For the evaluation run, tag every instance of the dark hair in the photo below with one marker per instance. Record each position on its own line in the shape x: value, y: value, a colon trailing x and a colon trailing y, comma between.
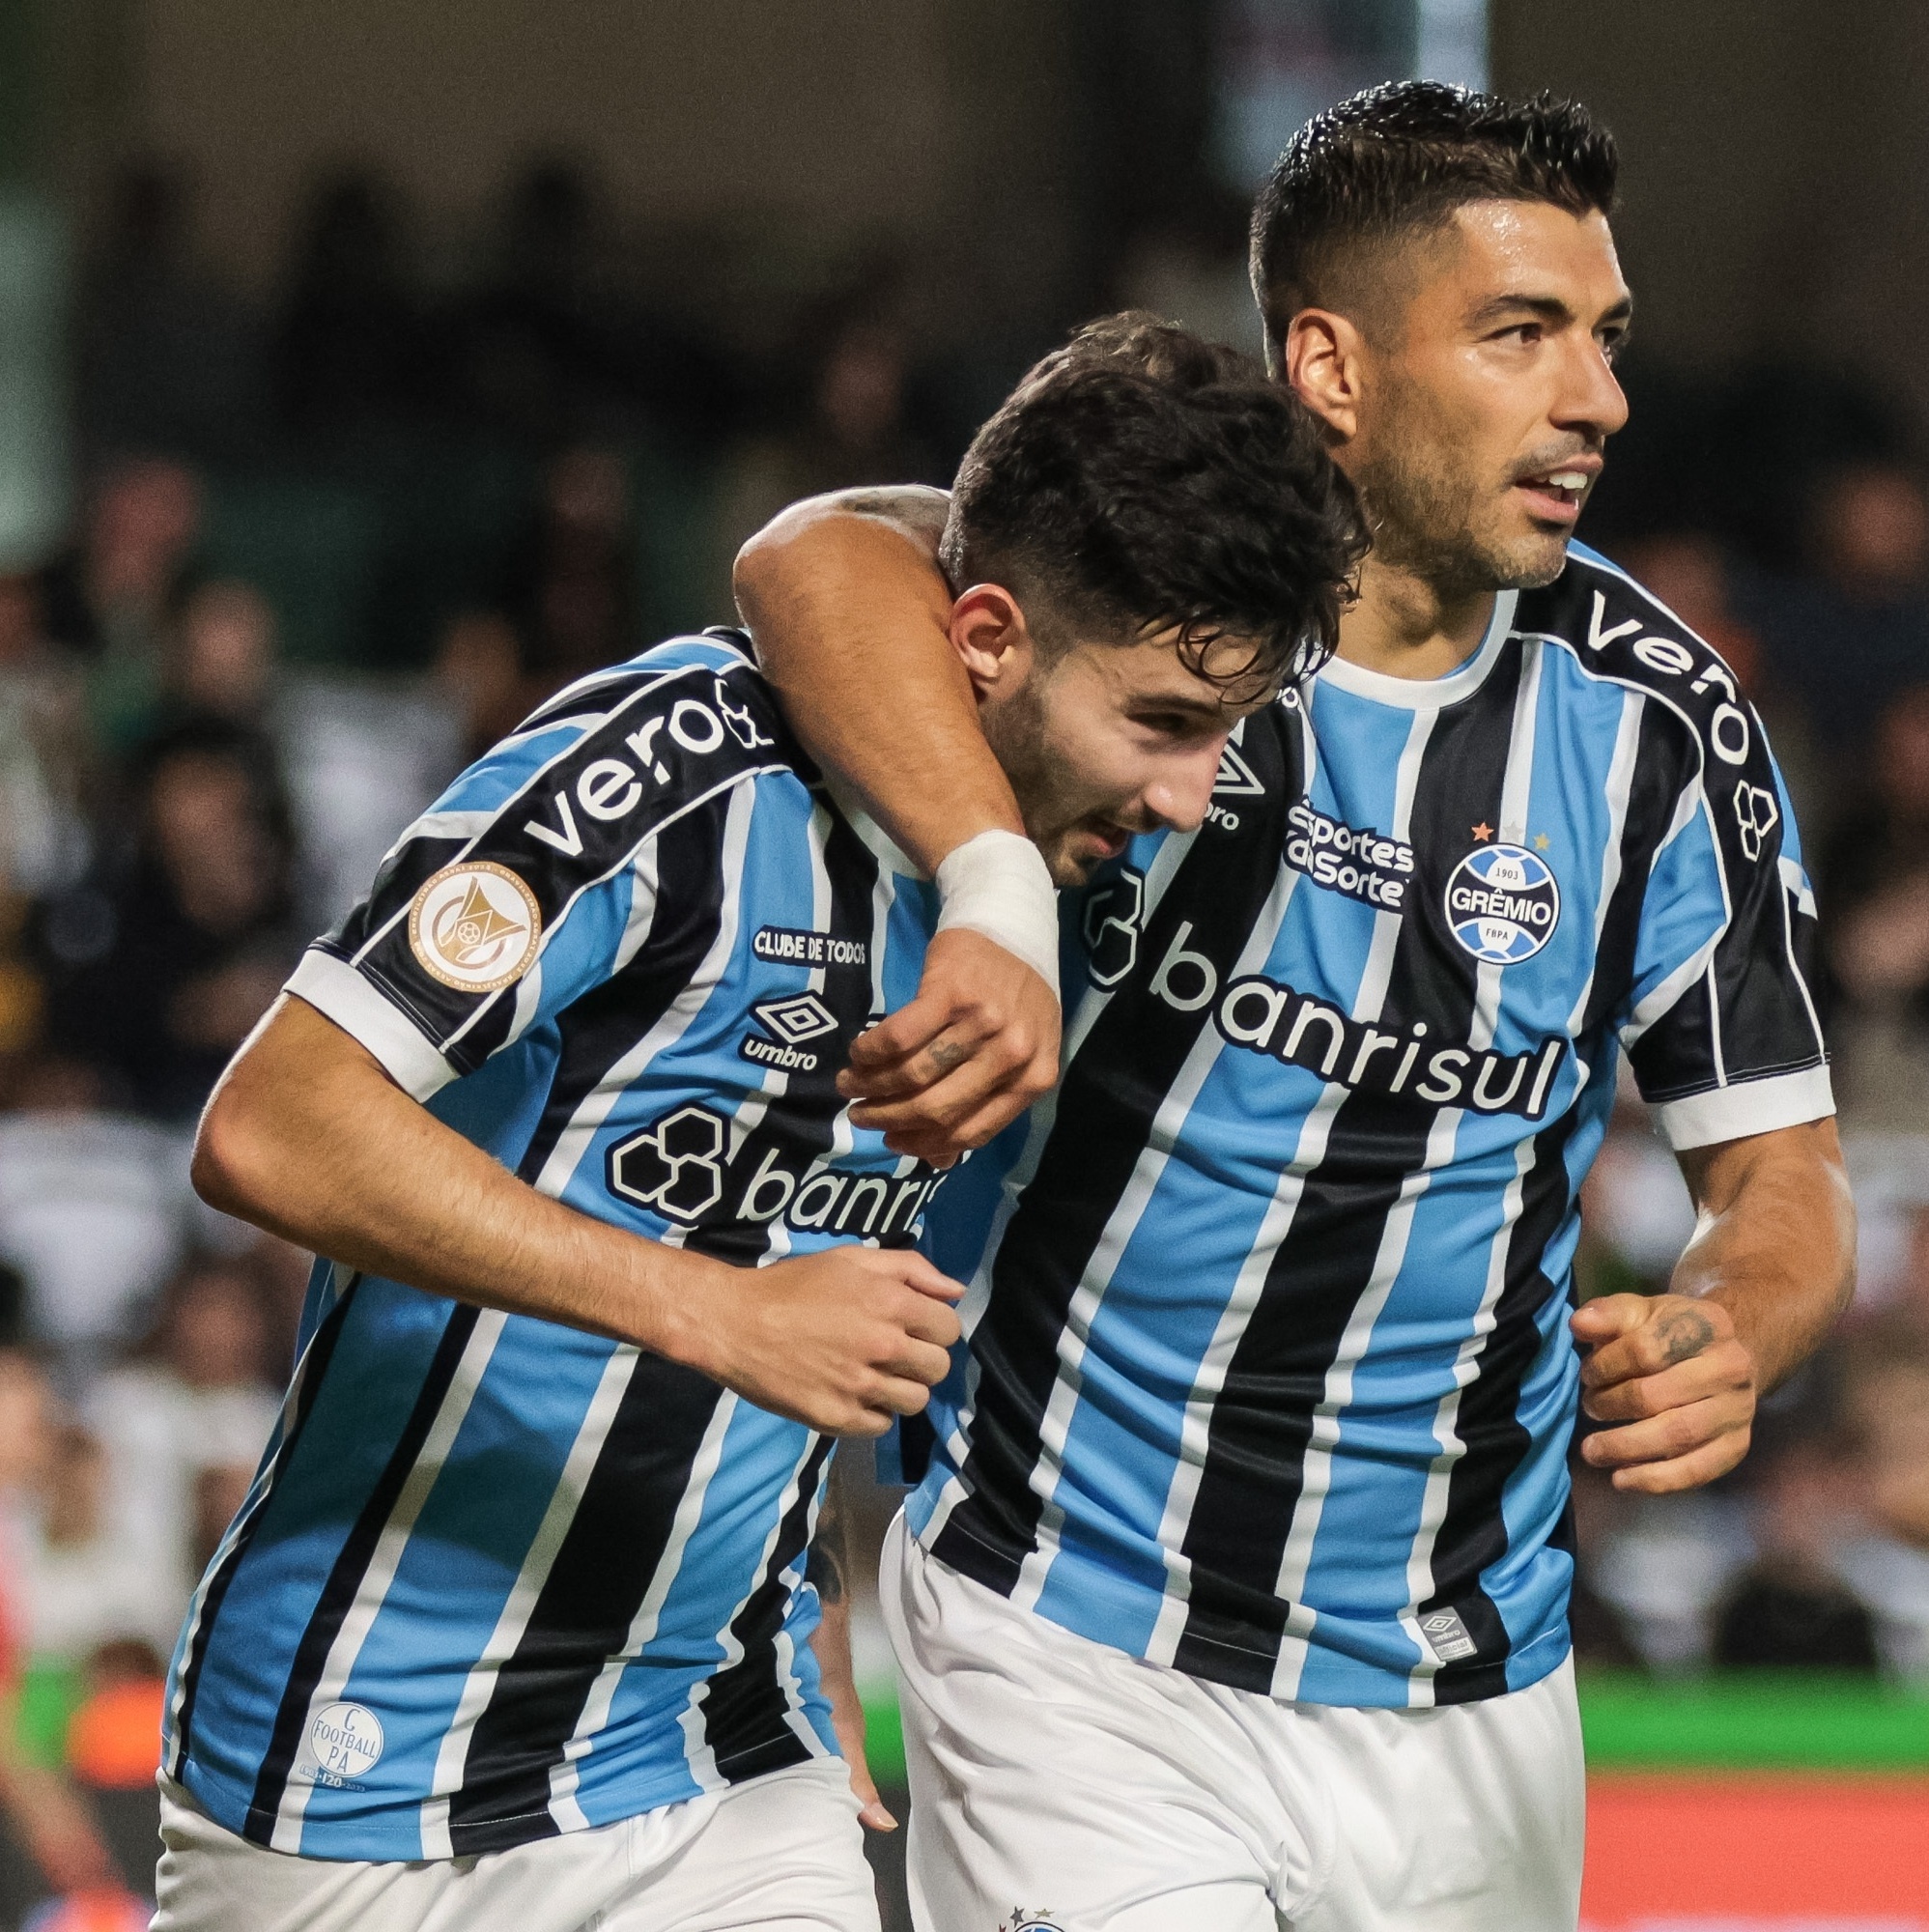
x: 1140, y: 479
x: 1403, y: 158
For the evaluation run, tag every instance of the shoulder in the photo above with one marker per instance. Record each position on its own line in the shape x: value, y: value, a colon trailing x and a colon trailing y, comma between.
x: 1607, y: 628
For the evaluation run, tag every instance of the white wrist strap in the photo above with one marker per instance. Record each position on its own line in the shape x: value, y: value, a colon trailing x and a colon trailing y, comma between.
x: 998, y: 884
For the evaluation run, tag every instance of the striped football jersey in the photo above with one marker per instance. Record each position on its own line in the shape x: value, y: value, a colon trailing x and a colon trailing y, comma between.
x: 497, y: 1578
x: 1268, y: 1374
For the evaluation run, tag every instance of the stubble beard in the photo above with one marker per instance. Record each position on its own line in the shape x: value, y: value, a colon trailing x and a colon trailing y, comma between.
x: 1049, y: 801
x: 1424, y: 514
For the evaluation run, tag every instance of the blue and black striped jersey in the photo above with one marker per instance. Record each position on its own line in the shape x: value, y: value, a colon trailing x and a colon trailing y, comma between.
x: 1268, y: 1372
x: 497, y: 1578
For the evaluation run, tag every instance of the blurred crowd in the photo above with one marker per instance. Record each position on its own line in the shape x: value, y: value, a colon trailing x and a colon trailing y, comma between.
x: 327, y: 545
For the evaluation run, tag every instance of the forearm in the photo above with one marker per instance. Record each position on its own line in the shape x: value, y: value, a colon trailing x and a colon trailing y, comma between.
x: 1775, y: 1243
x: 849, y: 610
x: 307, y: 1137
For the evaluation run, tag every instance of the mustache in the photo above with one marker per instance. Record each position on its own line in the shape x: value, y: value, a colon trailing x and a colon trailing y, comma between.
x: 1555, y: 455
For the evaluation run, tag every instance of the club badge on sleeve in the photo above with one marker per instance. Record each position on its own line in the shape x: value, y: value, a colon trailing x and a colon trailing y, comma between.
x: 474, y: 926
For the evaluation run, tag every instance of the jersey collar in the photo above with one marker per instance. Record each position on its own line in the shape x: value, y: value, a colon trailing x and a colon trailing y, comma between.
x: 1427, y: 693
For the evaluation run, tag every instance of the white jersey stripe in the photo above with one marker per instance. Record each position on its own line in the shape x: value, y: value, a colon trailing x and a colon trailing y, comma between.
x: 375, y: 1579
x: 452, y: 1756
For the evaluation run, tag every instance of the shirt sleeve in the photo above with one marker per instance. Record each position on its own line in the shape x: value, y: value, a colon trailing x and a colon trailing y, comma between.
x: 1720, y: 1026
x: 520, y: 890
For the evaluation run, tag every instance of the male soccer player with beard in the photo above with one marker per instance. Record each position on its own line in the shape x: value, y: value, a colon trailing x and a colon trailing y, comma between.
x: 513, y: 1629
x: 1235, y: 1592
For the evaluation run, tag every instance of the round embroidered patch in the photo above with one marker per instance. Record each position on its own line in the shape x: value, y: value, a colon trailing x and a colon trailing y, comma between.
x: 474, y: 926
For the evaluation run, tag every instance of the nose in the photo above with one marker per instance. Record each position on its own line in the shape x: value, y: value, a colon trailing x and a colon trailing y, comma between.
x: 1592, y: 402
x: 1182, y: 794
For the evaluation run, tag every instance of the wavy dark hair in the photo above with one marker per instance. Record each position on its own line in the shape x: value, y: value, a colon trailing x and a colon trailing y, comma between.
x: 1141, y: 479
x: 1396, y: 161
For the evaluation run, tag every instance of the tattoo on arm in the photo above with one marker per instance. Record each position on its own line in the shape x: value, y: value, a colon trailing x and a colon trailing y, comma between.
x: 828, y: 1567
x: 1684, y: 1334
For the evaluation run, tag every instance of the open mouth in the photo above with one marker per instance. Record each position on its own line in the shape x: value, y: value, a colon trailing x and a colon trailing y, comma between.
x: 1555, y: 496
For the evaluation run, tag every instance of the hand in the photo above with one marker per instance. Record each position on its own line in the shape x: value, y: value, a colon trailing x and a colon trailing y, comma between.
x: 841, y: 1341
x: 832, y: 1642
x: 1670, y: 1370
x: 976, y: 1046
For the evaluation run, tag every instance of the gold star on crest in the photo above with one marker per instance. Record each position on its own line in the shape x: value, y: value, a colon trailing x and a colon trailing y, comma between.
x: 1542, y: 842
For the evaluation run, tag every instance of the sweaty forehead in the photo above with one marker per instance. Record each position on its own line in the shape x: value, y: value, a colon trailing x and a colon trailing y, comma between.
x: 1491, y: 251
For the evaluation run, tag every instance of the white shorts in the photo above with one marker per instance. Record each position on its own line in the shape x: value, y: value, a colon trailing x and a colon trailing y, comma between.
x: 783, y: 1853
x: 1060, y: 1785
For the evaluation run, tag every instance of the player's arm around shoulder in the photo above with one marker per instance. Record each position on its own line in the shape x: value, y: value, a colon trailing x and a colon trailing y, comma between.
x: 849, y: 610
x: 1770, y: 1267
x: 308, y: 1136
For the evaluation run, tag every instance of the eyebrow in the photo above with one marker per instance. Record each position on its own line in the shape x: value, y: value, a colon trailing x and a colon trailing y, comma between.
x: 1548, y: 308
x: 1196, y: 707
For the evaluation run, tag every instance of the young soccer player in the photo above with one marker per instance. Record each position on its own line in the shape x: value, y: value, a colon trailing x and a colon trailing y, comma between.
x: 513, y: 1629
x: 1236, y: 1592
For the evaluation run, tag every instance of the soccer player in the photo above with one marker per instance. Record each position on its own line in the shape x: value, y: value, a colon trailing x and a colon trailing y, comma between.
x: 1235, y: 1592
x: 513, y: 1629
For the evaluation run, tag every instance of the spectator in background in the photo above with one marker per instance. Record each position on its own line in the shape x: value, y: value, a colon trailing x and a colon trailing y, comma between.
x: 45, y: 755
x: 109, y: 600
x: 96, y: 1209
x: 160, y: 963
x: 348, y: 351
x: 83, y: 1582
x: 1875, y: 889
x: 855, y: 427
x: 1689, y: 572
x: 43, y: 1814
x: 1846, y: 639
x: 183, y: 1423
x: 168, y: 357
x: 478, y: 675
x: 570, y: 588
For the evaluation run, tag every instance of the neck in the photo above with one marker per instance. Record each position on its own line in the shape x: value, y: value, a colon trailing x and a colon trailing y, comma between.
x: 1403, y: 626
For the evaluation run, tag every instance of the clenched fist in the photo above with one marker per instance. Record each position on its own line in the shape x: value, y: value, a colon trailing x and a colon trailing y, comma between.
x: 1672, y: 1373
x: 843, y: 1341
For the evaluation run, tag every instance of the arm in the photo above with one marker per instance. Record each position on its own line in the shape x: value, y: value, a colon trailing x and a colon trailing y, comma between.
x: 50, y: 1818
x: 849, y: 610
x: 1770, y: 1267
x: 828, y: 1572
x: 308, y: 1137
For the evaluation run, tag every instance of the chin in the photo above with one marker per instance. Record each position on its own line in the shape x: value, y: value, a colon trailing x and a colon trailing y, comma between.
x: 1531, y: 563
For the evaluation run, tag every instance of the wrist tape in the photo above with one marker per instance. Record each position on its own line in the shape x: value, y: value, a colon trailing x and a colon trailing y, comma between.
x: 998, y: 884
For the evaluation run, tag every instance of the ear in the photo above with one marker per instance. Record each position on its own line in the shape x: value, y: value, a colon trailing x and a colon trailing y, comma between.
x: 987, y: 631
x: 1325, y: 360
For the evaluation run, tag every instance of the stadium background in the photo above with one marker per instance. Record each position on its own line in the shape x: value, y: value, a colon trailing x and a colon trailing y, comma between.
x: 369, y: 368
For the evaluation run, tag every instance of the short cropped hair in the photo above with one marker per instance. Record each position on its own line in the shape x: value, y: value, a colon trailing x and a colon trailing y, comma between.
x: 1394, y: 162
x: 1140, y: 479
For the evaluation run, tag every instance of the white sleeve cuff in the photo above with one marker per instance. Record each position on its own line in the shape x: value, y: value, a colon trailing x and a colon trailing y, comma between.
x: 1748, y: 1107
x: 334, y: 988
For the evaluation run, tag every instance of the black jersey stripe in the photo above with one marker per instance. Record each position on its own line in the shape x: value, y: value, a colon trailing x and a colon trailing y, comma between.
x: 345, y: 1579
x: 798, y: 1124
x: 597, y: 1030
x: 1109, y: 1099
x: 619, y: 1536
x: 1260, y: 1431
x: 746, y: 1706
x: 1472, y: 1536
x: 1652, y: 792
x: 309, y: 1375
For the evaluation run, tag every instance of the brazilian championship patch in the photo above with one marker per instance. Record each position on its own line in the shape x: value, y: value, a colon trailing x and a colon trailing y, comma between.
x: 474, y: 926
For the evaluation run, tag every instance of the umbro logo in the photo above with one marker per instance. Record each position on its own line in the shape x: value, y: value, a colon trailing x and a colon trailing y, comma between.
x: 801, y: 1017
x: 1237, y: 778
x: 789, y: 1024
